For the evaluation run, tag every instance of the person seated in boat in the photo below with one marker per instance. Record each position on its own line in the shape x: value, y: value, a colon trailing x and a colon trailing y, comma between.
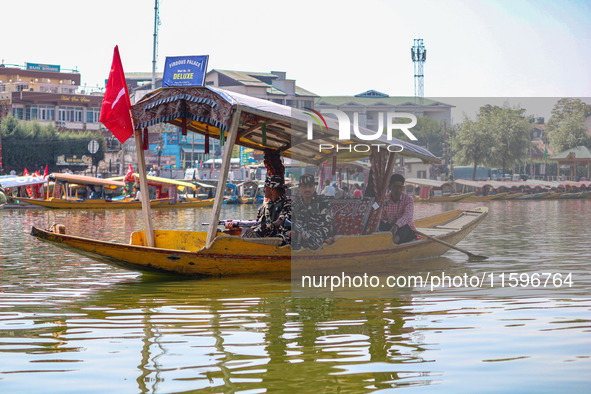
x: 398, y: 211
x: 328, y: 190
x: 312, y: 217
x: 274, y: 214
x: 357, y: 193
x: 137, y: 192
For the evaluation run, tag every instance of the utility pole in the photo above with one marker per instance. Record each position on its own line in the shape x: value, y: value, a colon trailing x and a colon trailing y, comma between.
x: 156, y: 23
x: 192, y: 150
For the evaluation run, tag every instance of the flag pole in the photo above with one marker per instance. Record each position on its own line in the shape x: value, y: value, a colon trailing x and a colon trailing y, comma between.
x: 144, y: 195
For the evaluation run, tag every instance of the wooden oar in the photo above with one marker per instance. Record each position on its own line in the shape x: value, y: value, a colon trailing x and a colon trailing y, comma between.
x: 471, y: 256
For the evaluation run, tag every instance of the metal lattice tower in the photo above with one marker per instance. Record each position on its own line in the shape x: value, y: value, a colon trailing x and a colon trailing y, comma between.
x: 419, y: 56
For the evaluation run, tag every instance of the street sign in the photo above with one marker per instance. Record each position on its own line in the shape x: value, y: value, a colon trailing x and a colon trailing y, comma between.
x: 93, y: 146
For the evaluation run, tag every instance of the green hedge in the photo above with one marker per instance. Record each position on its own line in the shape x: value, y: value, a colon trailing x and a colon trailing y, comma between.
x: 32, y: 145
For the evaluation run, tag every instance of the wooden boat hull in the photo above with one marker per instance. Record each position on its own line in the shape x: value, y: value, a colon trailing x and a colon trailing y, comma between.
x: 190, y: 203
x: 511, y: 196
x: 60, y: 203
x: 485, y: 198
x: 184, y: 252
x: 246, y: 200
x: 449, y: 198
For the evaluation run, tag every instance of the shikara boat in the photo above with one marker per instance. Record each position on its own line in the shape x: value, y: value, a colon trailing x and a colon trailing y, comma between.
x: 247, y: 192
x: 483, y: 190
x: 9, y: 183
x: 3, y: 198
x: 277, y: 130
x: 231, y: 193
x: 173, y: 187
x: 185, y: 252
x: 186, y: 203
x: 435, y: 191
x: 62, y: 203
x: 65, y: 194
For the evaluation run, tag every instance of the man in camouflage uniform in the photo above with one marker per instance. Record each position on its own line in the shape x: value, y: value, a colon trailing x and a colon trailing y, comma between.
x: 274, y: 215
x: 312, y: 222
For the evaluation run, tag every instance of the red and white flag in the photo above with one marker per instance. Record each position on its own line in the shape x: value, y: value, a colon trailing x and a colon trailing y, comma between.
x: 29, y: 188
x: 115, y: 111
x: 46, y: 172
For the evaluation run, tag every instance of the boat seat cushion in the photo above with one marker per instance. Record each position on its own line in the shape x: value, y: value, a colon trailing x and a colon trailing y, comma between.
x: 349, y: 215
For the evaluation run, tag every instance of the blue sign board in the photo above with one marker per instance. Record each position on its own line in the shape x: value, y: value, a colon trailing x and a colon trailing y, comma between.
x: 43, y: 67
x: 185, y: 71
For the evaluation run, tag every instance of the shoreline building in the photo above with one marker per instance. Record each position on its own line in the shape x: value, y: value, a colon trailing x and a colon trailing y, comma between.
x: 49, y: 95
x: 371, y: 103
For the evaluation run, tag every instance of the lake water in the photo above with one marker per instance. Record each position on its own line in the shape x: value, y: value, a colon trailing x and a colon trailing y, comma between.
x: 69, y: 324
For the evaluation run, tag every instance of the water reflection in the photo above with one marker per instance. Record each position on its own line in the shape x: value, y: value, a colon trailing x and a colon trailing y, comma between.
x: 65, y: 318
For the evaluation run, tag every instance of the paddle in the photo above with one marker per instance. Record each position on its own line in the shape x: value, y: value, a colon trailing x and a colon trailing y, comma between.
x: 471, y: 256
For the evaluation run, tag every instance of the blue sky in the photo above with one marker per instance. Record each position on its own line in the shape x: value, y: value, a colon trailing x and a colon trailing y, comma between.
x: 474, y: 48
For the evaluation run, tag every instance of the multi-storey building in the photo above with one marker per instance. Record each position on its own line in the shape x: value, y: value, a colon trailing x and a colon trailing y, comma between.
x: 49, y: 95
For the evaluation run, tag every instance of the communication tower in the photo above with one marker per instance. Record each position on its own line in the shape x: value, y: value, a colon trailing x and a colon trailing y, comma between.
x: 419, y: 56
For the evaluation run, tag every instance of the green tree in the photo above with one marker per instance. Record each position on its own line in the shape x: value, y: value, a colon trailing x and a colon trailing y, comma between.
x: 429, y: 134
x: 473, y: 143
x: 567, y: 127
x: 511, y: 132
x: 32, y: 145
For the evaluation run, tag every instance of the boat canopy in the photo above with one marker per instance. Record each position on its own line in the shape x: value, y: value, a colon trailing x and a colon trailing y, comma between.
x: 16, y: 181
x: 205, y: 185
x: 262, y: 124
x: 428, y: 182
x: 85, y: 180
x: 159, y: 181
x: 247, y: 183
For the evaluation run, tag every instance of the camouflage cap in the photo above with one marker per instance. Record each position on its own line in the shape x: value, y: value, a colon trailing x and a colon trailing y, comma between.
x: 307, y: 179
x: 274, y: 181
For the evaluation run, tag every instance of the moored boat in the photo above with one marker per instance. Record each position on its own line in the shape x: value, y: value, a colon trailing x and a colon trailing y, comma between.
x: 431, y: 190
x: 185, y: 252
x: 66, y: 194
x: 247, y: 192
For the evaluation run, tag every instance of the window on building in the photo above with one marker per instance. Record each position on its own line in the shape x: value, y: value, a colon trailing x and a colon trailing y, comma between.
x: 278, y: 101
x: 39, y: 112
x: 18, y: 113
x: 209, y: 83
x: 46, y: 112
x: 70, y: 114
x: 93, y: 115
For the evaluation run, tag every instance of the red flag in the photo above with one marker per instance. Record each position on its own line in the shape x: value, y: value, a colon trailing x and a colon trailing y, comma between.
x: 46, y: 172
x: 129, y: 177
x: 115, y: 111
x: 29, y: 188
x: 37, y: 187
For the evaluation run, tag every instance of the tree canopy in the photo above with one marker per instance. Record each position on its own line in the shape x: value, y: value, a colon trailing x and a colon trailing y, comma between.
x: 566, y: 127
x: 32, y: 145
